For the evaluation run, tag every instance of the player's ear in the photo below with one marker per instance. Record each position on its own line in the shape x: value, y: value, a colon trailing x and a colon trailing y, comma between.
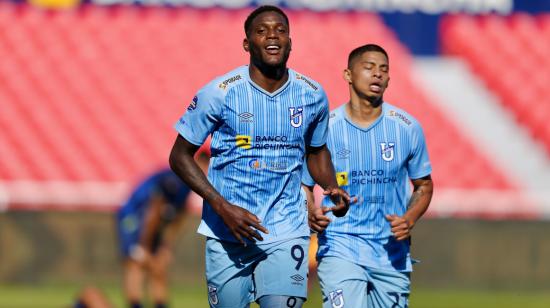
x: 246, y: 45
x: 347, y: 75
x: 289, y: 43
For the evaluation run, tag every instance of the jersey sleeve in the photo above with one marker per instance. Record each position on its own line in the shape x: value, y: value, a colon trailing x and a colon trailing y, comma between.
x: 306, y: 177
x: 202, y: 116
x: 419, y: 163
x: 319, y: 127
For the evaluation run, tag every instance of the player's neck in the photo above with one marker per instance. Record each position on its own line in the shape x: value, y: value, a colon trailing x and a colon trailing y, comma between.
x: 362, y: 112
x: 269, y: 78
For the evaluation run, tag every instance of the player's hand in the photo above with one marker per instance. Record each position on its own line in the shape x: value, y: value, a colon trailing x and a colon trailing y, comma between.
x: 318, y: 222
x: 241, y: 223
x: 340, y: 198
x: 140, y: 255
x: 400, y: 227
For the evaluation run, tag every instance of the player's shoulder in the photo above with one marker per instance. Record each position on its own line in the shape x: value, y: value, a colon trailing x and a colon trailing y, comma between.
x: 231, y: 79
x: 306, y: 82
x: 337, y: 115
x: 220, y: 85
x: 400, y: 116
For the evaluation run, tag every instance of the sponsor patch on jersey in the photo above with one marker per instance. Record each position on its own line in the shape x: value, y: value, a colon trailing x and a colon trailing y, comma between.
x: 243, y: 141
x: 398, y: 115
x: 278, y: 142
x: 223, y: 85
x: 306, y: 81
x: 342, y: 178
x: 258, y: 164
x: 193, y: 104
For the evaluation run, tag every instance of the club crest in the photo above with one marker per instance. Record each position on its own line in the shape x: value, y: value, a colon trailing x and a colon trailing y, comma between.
x: 213, y: 295
x: 387, y: 150
x: 296, y: 116
x: 337, y: 298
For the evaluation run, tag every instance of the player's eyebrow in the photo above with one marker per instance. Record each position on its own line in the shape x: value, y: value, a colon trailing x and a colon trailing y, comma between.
x: 374, y: 63
x: 270, y: 23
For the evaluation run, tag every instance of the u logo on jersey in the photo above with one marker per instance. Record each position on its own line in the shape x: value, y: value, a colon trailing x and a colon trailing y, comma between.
x: 337, y: 298
x: 296, y: 116
x: 213, y: 295
x: 387, y: 150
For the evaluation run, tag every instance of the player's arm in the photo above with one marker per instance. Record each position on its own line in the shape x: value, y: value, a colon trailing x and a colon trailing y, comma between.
x: 321, y: 170
x: 151, y: 224
x: 418, y: 204
x: 318, y: 222
x: 238, y: 220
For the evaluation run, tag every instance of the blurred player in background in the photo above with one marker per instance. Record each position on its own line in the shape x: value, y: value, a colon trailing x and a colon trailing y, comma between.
x: 147, y: 225
x: 364, y: 258
x: 264, y: 119
x: 92, y: 297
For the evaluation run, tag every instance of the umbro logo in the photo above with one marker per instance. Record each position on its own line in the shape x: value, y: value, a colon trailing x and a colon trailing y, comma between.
x: 246, y: 117
x: 343, y: 153
x: 297, y: 277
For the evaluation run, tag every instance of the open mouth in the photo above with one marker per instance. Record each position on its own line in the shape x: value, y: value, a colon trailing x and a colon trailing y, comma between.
x: 375, y: 87
x: 272, y: 49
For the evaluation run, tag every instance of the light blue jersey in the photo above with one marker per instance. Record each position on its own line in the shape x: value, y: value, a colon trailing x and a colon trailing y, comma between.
x: 374, y: 165
x: 258, y: 147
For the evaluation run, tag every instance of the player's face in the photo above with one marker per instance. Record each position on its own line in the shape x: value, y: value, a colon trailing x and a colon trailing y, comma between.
x: 268, y: 41
x: 369, y: 75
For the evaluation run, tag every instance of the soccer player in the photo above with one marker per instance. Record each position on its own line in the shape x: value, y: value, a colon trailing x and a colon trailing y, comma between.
x: 92, y: 297
x: 147, y: 224
x: 364, y: 258
x: 264, y: 119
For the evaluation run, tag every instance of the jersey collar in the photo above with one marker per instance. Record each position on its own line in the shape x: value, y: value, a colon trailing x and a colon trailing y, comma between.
x: 270, y: 94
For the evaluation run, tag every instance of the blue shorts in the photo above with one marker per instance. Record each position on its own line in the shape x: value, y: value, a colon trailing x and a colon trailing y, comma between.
x: 346, y: 284
x: 238, y: 275
x: 129, y: 227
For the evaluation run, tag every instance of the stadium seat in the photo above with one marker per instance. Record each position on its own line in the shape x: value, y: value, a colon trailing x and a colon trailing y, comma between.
x: 94, y: 91
x: 513, y: 62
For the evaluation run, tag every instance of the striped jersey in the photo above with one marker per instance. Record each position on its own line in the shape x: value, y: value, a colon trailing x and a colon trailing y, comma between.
x: 374, y: 165
x: 257, y: 148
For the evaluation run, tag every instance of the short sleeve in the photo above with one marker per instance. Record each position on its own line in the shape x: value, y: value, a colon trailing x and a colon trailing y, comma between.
x: 419, y: 163
x: 202, y: 116
x: 319, y: 126
x: 306, y: 177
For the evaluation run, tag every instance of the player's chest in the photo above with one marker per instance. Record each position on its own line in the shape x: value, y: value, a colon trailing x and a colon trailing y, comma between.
x: 364, y: 155
x: 285, y: 116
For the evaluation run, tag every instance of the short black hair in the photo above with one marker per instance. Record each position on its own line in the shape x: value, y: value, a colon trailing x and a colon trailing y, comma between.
x: 359, y: 51
x: 259, y: 10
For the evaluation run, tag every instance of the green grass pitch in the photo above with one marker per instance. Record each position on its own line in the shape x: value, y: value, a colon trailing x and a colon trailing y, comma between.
x: 59, y: 296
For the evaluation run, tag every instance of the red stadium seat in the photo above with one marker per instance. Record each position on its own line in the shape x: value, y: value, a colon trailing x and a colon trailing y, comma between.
x: 92, y: 93
x: 514, y: 62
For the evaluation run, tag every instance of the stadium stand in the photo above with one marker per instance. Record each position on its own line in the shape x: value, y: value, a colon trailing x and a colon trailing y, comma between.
x: 90, y: 95
x: 511, y: 55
